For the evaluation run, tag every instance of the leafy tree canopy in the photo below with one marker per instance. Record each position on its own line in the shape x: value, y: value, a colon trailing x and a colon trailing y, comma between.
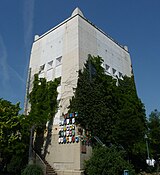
x: 109, y: 111
x: 154, y: 133
x: 131, y: 124
x: 12, y: 127
x: 107, y: 161
x: 15, y: 128
x: 110, y: 108
x: 14, y: 136
x: 94, y: 99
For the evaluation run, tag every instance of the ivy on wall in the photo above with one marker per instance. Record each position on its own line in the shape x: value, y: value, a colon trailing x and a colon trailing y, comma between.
x: 44, y: 105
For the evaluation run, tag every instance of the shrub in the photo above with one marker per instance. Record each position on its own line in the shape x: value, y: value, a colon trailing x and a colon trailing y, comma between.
x: 107, y: 161
x: 32, y: 170
x: 15, y: 165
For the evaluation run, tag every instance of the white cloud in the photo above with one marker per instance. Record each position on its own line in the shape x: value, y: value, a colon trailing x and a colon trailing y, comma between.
x: 3, y: 62
x: 16, y: 74
x: 28, y: 20
x: 28, y: 17
x: 5, y: 68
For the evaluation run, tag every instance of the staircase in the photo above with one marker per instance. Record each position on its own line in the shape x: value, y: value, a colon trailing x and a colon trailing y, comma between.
x: 49, y: 169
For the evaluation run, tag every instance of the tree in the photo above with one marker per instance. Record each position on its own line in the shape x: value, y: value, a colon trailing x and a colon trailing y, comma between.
x: 94, y: 99
x: 131, y: 124
x: 9, y: 124
x: 107, y: 161
x: 110, y: 108
x: 154, y: 135
x: 14, y: 134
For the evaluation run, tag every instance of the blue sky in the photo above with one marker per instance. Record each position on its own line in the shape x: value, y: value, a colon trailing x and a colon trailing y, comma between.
x: 135, y: 23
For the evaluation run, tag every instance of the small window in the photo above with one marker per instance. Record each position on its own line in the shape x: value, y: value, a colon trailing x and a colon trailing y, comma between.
x: 108, y: 69
x: 41, y: 69
x: 58, y: 61
x: 50, y: 65
x: 120, y: 75
x: 114, y: 71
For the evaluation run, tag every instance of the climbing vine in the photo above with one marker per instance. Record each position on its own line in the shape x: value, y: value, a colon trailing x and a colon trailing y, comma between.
x: 44, y: 104
x: 43, y: 100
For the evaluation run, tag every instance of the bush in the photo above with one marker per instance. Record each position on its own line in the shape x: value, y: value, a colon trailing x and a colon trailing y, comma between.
x: 15, y: 165
x: 32, y: 170
x: 107, y: 161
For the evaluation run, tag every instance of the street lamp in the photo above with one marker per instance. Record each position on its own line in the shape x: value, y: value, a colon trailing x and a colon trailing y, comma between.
x: 149, y: 161
x: 146, y: 137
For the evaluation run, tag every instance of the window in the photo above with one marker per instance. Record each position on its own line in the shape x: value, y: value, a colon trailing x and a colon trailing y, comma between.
x: 50, y: 64
x: 114, y: 71
x: 108, y: 69
x: 120, y: 75
x: 41, y: 69
x: 58, y: 61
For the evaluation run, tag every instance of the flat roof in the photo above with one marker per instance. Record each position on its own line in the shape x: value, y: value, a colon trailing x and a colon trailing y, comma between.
x: 68, y: 19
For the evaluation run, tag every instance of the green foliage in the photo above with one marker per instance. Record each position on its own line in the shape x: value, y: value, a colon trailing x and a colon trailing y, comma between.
x: 94, y: 103
x: 16, y: 164
x: 15, y: 128
x: 32, y: 170
x: 43, y: 100
x: 12, y: 128
x: 110, y: 109
x: 107, y: 161
x: 14, y: 135
x: 154, y: 134
x: 9, y: 124
x: 131, y: 124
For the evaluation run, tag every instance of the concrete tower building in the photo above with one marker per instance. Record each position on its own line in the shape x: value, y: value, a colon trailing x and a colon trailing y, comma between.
x: 61, y: 52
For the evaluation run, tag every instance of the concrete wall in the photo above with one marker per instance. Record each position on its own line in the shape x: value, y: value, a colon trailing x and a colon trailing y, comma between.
x: 95, y: 42
x: 66, y: 158
x: 70, y: 62
x: 61, y: 42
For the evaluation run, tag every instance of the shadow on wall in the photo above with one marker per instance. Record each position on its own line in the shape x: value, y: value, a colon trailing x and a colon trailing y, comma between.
x: 43, y: 139
x: 48, y: 138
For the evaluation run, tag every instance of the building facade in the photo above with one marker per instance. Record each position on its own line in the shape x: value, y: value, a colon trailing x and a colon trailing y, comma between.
x: 61, y: 52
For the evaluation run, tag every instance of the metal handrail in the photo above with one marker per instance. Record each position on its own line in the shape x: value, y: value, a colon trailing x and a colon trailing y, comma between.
x: 40, y: 162
x: 99, y: 141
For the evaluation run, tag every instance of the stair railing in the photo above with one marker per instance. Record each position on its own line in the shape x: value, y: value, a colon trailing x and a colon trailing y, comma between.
x: 99, y: 141
x: 40, y: 162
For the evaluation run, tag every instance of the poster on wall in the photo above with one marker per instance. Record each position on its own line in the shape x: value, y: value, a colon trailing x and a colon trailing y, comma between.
x: 70, y: 133
x: 67, y: 129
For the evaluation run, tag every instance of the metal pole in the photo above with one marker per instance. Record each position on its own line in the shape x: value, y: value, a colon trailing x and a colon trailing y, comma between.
x: 147, y: 149
x: 147, y: 146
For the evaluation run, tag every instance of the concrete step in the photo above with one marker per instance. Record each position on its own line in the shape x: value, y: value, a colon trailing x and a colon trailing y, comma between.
x: 49, y: 169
